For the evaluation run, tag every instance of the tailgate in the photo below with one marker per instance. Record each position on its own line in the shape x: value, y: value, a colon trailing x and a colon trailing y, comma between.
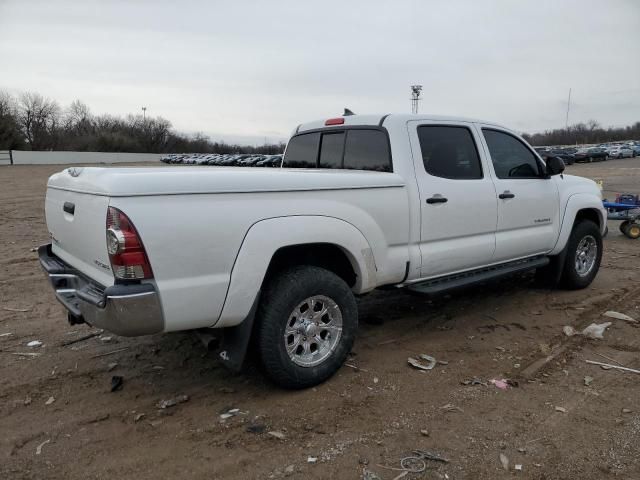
x: 77, y: 226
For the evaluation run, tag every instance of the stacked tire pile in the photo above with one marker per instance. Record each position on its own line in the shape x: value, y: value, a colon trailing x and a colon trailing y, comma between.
x: 225, y: 160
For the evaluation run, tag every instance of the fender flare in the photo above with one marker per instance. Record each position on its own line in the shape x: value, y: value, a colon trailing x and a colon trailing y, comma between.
x: 575, y: 203
x: 266, y: 237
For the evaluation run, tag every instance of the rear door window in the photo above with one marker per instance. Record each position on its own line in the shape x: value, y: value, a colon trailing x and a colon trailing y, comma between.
x: 302, y: 151
x: 449, y: 152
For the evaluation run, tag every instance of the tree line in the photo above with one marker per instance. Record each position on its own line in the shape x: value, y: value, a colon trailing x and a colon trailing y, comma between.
x: 590, y: 132
x: 33, y: 122
x: 30, y: 121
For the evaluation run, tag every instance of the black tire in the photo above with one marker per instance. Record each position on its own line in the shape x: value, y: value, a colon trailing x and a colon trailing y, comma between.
x: 280, y: 298
x: 571, y: 278
x: 632, y: 230
x: 623, y: 226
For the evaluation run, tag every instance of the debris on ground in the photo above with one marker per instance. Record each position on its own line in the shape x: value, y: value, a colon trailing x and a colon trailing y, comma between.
x: 276, y: 434
x: 117, y: 382
x: 5, y: 334
x: 50, y: 400
x: 229, y: 413
x: 587, y: 380
x: 607, y: 366
x: 106, y: 339
x: 475, y: 381
x: 595, y: 330
x: 518, y: 467
x: 451, y: 408
x: 312, y: 459
x: 27, y: 400
x: 504, y: 460
x: 290, y: 469
x: 17, y: 310
x: 256, y: 428
x: 561, y: 409
x: 138, y: 417
x: 81, y: 339
x: 355, y: 367
x: 112, y: 366
x: 39, y: 447
x: 110, y: 353
x: 26, y: 354
x: 424, y: 432
x: 627, y: 410
x: 34, y: 343
x: 619, y: 316
x: 431, y: 362
x: 172, y: 402
x: 502, y: 384
x: 369, y: 475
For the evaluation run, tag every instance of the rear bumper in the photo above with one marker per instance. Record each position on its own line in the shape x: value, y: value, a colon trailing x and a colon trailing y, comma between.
x: 129, y: 310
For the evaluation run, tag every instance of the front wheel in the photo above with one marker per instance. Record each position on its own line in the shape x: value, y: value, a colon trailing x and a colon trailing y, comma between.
x: 584, y: 253
x: 307, y: 322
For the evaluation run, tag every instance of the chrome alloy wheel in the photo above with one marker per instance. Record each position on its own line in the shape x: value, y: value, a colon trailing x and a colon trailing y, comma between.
x: 313, y: 331
x: 586, y: 255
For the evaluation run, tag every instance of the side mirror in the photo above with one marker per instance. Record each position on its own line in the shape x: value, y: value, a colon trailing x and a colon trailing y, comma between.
x: 555, y: 166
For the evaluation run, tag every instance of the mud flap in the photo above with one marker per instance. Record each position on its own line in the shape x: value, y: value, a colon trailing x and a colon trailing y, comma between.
x: 235, y: 340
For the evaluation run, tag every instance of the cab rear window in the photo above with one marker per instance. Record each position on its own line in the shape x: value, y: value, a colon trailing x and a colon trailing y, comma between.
x: 350, y: 148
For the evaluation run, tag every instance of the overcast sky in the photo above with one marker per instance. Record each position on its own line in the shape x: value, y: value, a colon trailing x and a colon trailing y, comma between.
x: 249, y: 70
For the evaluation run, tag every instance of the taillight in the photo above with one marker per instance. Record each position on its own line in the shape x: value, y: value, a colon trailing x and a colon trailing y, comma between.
x: 127, y: 255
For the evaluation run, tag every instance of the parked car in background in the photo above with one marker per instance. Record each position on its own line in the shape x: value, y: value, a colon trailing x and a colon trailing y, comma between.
x: 636, y: 149
x: 593, y: 154
x: 567, y: 157
x: 621, y: 151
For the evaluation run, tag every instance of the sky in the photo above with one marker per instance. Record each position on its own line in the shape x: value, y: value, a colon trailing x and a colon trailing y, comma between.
x: 252, y: 70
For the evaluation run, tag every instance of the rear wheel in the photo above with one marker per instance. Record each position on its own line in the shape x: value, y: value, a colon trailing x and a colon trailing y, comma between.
x: 584, y: 253
x: 307, y: 322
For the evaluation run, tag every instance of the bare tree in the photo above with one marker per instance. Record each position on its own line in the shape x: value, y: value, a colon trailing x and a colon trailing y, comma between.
x: 38, y: 118
x: 10, y: 135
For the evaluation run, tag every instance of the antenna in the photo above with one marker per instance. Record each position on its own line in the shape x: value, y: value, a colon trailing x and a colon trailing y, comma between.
x: 415, y: 97
x: 566, y: 122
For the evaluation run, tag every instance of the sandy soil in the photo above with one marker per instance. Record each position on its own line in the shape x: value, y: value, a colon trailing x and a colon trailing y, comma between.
x: 362, y: 418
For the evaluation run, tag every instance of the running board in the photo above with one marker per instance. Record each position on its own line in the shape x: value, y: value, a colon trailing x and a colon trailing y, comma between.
x: 459, y: 280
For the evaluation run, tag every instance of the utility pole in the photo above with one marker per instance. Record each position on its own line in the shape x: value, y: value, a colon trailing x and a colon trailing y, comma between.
x: 415, y: 97
x: 566, y: 122
x: 144, y: 114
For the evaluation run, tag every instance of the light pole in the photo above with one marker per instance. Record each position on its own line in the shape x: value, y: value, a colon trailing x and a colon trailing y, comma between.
x: 415, y: 97
x: 144, y: 114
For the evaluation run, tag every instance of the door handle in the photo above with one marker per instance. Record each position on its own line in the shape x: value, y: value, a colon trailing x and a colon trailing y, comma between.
x: 437, y: 200
x: 506, y: 194
x: 69, y: 208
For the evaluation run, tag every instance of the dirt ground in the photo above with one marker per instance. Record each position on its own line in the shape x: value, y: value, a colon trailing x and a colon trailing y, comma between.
x: 59, y: 419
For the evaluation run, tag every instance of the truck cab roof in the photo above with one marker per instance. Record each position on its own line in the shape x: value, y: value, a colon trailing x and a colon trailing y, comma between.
x: 384, y: 120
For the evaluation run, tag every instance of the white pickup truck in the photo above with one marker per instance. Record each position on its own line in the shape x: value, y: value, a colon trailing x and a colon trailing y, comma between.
x: 279, y: 255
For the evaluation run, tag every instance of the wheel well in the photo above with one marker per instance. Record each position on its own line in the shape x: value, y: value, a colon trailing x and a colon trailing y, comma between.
x: 324, y: 255
x: 588, y: 214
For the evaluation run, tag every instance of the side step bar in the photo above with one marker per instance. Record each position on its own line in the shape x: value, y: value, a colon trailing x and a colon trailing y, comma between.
x: 459, y: 280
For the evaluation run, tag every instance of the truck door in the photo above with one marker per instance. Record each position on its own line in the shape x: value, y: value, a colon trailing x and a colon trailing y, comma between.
x: 457, y: 196
x: 528, y: 201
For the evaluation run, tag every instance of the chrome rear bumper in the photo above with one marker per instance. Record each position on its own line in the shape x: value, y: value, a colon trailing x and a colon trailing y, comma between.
x: 129, y: 310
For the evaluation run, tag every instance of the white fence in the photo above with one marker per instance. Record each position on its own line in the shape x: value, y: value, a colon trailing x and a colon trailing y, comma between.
x: 59, y: 158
